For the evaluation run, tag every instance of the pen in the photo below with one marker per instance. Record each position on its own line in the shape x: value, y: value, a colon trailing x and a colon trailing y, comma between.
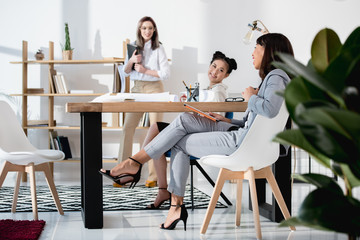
x: 190, y: 90
x: 186, y: 86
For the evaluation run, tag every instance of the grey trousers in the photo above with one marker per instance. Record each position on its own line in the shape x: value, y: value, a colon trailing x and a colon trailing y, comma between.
x: 190, y: 134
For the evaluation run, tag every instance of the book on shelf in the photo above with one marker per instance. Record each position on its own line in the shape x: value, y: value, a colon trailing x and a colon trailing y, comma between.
x: 35, y: 90
x: 52, y: 73
x: 56, y: 144
x: 60, y: 143
x: 58, y: 82
x: 64, y: 146
x: 144, y: 121
x: 119, y: 79
x: 63, y: 83
x: 58, y: 86
x: 52, y: 136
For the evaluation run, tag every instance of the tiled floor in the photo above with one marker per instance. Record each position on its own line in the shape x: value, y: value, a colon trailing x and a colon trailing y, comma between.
x: 145, y: 224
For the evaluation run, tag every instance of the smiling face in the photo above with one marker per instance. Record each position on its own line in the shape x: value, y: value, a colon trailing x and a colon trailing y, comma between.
x: 258, y: 56
x: 217, y: 71
x: 147, y: 30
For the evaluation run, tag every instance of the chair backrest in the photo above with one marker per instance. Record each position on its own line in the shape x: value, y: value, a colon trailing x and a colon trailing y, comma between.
x: 12, y: 136
x: 257, y: 149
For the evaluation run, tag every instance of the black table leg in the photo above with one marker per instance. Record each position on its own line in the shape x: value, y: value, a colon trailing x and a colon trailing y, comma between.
x: 91, y: 162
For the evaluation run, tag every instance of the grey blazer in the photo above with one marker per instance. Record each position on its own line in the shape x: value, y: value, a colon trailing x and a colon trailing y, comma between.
x: 266, y: 103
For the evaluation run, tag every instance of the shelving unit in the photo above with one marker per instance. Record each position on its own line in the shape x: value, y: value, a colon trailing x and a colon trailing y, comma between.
x: 51, y: 62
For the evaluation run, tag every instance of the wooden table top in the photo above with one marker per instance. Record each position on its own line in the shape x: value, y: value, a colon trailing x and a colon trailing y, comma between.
x: 127, y: 106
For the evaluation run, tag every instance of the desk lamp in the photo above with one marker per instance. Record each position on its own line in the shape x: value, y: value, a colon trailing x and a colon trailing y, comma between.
x: 253, y: 27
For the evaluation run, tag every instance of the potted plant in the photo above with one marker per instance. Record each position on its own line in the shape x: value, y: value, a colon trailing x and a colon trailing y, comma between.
x: 67, y: 51
x: 323, y: 100
x: 39, y: 55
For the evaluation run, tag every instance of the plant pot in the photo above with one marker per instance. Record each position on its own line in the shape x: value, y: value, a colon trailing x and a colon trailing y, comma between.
x: 67, y: 54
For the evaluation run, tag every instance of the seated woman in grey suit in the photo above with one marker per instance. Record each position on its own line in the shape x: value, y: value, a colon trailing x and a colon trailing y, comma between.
x: 190, y: 134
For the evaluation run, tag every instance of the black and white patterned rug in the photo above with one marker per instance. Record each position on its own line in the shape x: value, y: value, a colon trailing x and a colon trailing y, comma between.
x: 114, y: 198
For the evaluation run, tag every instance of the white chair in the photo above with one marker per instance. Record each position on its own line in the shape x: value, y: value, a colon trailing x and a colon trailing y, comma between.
x: 252, y: 160
x: 21, y: 156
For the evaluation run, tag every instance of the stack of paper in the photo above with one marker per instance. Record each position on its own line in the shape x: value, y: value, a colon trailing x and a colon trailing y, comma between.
x: 138, y: 97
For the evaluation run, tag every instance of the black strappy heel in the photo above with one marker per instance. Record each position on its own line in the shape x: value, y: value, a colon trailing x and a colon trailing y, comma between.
x: 183, y: 217
x: 152, y: 206
x: 134, y: 177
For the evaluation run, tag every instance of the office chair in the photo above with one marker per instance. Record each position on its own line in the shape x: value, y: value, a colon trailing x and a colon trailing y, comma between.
x: 21, y: 156
x: 252, y: 160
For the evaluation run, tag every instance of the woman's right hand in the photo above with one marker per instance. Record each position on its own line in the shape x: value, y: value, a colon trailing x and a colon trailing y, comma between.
x: 219, y: 117
x: 135, y: 58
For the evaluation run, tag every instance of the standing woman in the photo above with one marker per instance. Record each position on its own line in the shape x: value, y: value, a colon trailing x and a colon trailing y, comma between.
x: 147, y: 69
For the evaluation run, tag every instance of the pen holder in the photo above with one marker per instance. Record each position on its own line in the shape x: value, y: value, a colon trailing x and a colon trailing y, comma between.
x: 192, y: 94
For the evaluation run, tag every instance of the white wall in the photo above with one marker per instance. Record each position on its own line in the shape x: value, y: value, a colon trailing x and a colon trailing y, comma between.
x: 191, y: 30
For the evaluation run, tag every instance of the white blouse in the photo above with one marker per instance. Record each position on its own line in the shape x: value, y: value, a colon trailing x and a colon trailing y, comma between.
x: 153, y: 60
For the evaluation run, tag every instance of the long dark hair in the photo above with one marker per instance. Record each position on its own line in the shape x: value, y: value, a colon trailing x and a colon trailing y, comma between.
x: 272, y: 42
x: 230, y: 61
x: 154, y: 39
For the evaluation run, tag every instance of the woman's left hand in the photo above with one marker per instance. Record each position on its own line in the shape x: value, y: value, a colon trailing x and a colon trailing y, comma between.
x: 249, y: 92
x: 139, y: 68
x: 219, y: 117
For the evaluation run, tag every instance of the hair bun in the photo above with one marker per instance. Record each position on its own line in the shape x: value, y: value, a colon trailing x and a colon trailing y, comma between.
x: 232, y: 63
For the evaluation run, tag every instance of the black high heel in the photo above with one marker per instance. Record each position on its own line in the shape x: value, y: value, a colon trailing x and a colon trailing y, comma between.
x: 183, y: 217
x: 134, y: 177
x: 152, y: 206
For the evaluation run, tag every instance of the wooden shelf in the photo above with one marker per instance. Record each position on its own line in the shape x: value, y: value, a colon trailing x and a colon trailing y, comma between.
x: 95, y: 61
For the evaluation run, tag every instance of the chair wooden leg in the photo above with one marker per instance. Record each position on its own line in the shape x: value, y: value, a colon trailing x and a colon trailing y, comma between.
x: 254, y: 202
x: 238, y: 202
x: 16, y: 191
x: 214, y: 198
x: 50, y: 182
x: 277, y: 194
x: 3, y: 173
x: 31, y: 170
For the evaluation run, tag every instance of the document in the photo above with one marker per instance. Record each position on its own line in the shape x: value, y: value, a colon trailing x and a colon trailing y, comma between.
x: 138, y: 97
x: 200, y: 112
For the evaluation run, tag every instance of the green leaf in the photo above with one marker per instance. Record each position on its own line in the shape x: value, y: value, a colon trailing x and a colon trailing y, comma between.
x: 310, y: 75
x: 345, y: 69
x: 295, y: 137
x: 331, y: 211
x: 300, y: 91
x: 340, y: 71
x: 334, y: 133
x: 321, y: 181
x: 353, y: 39
x: 324, y: 48
x: 351, y: 180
